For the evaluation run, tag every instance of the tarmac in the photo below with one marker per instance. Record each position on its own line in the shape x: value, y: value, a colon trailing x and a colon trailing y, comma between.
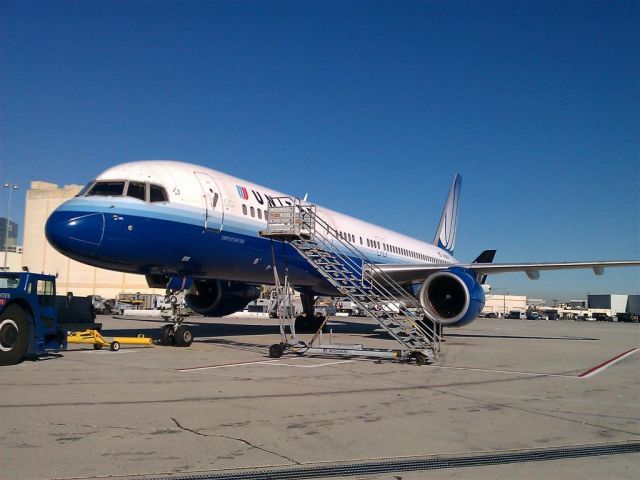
x: 223, y: 406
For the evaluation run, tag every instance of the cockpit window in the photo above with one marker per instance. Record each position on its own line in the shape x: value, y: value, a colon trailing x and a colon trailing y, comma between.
x: 85, y: 189
x: 107, y: 189
x: 157, y: 194
x: 136, y: 190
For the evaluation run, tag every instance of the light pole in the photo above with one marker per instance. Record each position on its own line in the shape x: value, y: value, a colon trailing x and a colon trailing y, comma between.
x: 11, y: 188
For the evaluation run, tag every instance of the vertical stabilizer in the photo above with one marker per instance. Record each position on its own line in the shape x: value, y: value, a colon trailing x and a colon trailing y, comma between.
x: 446, y: 235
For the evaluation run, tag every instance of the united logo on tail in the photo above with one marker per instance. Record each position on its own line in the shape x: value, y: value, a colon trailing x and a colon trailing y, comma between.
x: 446, y: 235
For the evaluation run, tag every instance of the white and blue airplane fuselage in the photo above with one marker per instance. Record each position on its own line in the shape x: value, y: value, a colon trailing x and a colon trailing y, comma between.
x: 164, y: 219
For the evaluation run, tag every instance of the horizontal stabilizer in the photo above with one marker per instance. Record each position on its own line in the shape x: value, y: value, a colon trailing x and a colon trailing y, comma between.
x: 485, y: 257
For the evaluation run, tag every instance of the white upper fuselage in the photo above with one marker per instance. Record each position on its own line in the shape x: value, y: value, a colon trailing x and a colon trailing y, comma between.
x: 186, y: 193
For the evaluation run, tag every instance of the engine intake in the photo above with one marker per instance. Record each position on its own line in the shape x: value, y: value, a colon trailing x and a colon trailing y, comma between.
x: 216, y: 298
x: 453, y: 297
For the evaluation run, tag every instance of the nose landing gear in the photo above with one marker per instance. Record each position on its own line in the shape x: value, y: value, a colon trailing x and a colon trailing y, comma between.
x: 175, y: 333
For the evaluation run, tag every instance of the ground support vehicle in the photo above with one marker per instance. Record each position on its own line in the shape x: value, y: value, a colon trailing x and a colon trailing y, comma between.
x: 95, y: 338
x: 28, y: 316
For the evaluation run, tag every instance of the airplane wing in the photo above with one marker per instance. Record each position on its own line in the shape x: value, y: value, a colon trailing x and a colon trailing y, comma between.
x: 418, y: 272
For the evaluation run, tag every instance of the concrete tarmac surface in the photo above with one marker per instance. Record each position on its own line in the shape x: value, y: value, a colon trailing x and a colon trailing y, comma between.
x: 224, y: 405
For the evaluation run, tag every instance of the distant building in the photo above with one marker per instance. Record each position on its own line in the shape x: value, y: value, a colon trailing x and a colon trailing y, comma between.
x: 12, y: 238
x: 615, y: 303
x: 576, y: 304
x: 535, y: 302
x: 503, y: 304
x: 14, y: 259
x: 42, y: 199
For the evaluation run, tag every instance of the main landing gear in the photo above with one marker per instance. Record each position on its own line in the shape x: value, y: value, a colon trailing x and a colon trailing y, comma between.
x: 309, y: 321
x: 175, y: 333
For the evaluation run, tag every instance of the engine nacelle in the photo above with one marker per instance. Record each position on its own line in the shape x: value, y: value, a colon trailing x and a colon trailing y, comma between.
x: 452, y: 297
x: 216, y: 298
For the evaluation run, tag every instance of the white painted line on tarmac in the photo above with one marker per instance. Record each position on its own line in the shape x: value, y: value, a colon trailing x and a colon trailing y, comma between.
x: 310, y: 366
x: 272, y: 363
x: 225, y: 365
x: 604, y: 365
x: 106, y: 352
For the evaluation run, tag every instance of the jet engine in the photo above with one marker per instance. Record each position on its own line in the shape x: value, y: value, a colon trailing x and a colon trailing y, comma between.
x: 453, y: 297
x: 217, y: 298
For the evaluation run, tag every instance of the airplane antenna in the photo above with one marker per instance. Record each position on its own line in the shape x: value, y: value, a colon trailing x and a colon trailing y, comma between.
x: 305, y: 197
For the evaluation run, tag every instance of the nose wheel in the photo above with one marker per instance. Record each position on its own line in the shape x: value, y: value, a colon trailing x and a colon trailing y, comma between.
x: 181, y: 336
x: 166, y: 335
x: 175, y: 333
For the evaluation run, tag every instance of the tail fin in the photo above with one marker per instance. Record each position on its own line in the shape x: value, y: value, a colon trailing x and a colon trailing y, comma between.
x: 446, y: 235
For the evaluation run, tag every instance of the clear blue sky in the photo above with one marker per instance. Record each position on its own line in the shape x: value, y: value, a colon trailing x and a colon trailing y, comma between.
x: 371, y: 107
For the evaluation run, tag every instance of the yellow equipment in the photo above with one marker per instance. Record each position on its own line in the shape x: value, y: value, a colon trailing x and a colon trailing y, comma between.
x: 95, y: 338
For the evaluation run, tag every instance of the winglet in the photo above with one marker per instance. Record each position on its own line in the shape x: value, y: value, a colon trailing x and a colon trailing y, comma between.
x: 446, y: 235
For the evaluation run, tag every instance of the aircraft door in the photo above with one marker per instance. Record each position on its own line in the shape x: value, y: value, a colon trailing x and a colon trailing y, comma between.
x: 213, y: 204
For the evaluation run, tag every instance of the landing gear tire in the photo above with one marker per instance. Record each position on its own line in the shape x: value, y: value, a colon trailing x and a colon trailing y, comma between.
x: 14, y: 334
x: 276, y: 350
x: 183, y: 336
x: 166, y: 335
x: 115, y: 346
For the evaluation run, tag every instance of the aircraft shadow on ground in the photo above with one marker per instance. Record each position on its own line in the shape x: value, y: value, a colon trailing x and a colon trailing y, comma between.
x: 217, y: 329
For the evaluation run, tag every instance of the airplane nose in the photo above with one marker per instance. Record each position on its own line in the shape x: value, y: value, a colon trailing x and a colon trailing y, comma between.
x: 75, y: 233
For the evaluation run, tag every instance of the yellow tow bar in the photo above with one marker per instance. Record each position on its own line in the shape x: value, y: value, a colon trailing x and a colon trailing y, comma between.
x: 95, y: 338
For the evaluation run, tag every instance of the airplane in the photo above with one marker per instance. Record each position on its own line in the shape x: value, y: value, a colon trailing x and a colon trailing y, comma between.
x: 171, y: 220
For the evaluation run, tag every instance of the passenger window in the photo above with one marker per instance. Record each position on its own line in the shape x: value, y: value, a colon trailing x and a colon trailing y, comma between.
x: 253, y: 212
x: 259, y: 214
x: 107, y: 189
x: 244, y: 209
x: 214, y: 202
x: 136, y: 190
x: 360, y: 240
x: 157, y: 194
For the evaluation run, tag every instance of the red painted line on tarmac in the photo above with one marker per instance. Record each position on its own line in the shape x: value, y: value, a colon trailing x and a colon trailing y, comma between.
x: 598, y: 368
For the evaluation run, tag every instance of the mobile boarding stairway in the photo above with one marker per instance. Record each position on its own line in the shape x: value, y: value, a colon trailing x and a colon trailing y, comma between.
x: 353, y: 276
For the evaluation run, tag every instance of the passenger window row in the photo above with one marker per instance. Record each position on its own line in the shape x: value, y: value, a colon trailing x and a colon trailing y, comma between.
x: 255, y: 212
x: 390, y: 248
